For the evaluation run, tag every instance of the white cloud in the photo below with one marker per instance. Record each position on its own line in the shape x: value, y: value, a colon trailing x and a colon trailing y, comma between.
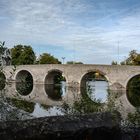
x: 53, y: 22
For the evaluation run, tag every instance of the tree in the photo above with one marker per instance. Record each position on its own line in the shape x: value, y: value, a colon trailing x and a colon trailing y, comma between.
x: 47, y: 58
x: 22, y: 55
x: 123, y: 62
x: 2, y: 48
x: 114, y: 63
x: 74, y: 62
x: 133, y: 59
x: 5, y: 55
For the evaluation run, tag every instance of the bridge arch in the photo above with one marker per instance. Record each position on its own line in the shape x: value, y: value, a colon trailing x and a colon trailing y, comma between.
x: 92, y: 86
x: 87, y: 73
x: 23, y: 69
x: 130, y: 77
x: 24, y: 82
x: 49, y: 77
x: 53, y: 84
x: 132, y: 90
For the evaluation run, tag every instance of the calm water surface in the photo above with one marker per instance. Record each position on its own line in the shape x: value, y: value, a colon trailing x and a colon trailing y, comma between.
x: 98, y: 91
x: 39, y: 111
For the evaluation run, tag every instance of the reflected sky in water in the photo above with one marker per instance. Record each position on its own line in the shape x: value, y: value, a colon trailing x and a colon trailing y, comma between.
x: 98, y: 90
x: 39, y: 111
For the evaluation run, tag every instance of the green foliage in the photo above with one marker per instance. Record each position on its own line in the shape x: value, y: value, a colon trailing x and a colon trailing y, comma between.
x: 110, y: 105
x: 133, y: 59
x: 86, y: 105
x: 2, y: 48
x: 22, y: 104
x: 95, y: 76
x: 74, y: 62
x: 114, y: 63
x: 58, y: 78
x: 123, y: 63
x: 134, y: 118
x: 46, y: 58
x: 137, y: 60
x: 2, y: 44
x: 22, y: 55
x: 83, y: 105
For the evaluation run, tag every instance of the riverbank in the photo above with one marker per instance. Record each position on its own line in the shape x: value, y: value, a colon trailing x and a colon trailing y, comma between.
x: 97, y: 126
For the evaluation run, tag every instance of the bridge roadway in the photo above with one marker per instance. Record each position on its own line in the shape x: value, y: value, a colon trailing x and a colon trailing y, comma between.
x: 117, y: 76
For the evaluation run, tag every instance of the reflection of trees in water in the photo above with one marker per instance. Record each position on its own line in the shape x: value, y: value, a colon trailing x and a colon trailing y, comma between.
x: 25, y: 84
x: 133, y: 91
x: 58, y: 79
x: 22, y: 104
x: 55, y: 85
x: 55, y: 91
x: 10, y: 110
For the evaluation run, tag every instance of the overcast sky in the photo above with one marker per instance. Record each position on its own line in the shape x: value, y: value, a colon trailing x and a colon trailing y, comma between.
x: 91, y: 31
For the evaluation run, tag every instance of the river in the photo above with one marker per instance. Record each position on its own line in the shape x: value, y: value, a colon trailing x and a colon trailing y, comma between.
x: 98, y: 91
x: 48, y: 102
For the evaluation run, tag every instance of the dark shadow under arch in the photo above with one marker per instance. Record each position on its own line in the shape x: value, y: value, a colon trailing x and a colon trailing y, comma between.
x: 54, y: 82
x: 133, y: 90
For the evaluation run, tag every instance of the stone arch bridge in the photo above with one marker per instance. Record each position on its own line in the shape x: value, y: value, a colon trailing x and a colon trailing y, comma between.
x: 74, y: 73
x: 115, y: 74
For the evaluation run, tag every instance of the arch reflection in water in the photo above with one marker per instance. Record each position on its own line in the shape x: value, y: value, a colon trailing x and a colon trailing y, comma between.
x: 133, y: 91
x: 24, y: 82
x: 55, y: 85
x: 96, y: 86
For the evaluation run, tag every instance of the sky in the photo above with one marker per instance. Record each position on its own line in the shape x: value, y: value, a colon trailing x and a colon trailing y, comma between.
x: 90, y: 31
